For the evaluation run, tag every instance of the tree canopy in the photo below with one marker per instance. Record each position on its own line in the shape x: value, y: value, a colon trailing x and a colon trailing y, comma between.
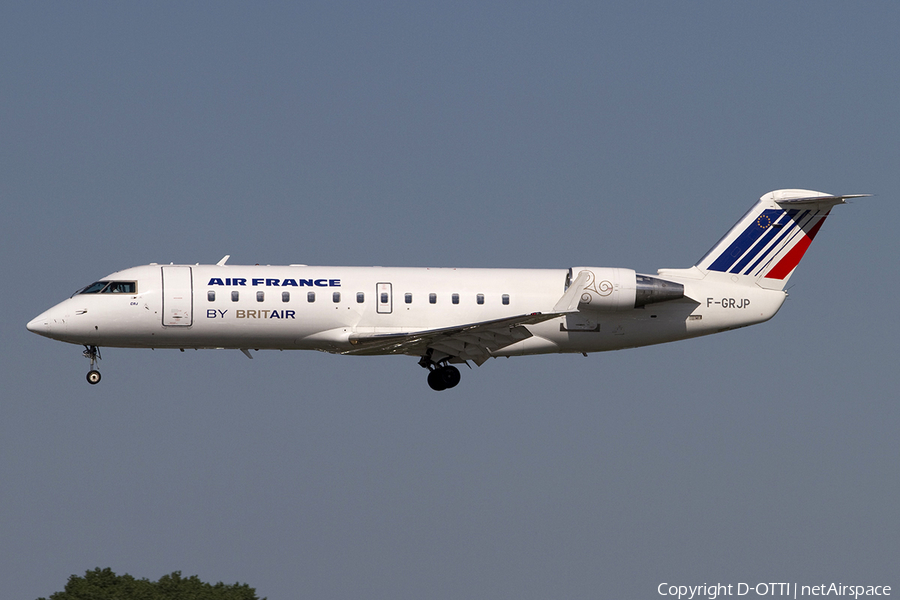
x: 103, y: 584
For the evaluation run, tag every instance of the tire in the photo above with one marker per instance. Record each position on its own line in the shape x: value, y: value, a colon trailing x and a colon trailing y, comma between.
x: 93, y: 377
x: 436, y: 380
x: 450, y: 376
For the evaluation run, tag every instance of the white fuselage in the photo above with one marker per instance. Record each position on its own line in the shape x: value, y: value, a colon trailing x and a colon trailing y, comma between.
x: 448, y: 316
x: 323, y: 308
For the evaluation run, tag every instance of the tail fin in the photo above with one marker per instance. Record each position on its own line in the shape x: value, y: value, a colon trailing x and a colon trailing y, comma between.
x: 766, y: 245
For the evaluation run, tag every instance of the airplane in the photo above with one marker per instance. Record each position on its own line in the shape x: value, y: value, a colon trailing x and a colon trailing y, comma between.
x: 446, y: 316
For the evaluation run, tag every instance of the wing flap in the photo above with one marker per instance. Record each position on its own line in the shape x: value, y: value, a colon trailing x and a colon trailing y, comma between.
x: 470, y: 341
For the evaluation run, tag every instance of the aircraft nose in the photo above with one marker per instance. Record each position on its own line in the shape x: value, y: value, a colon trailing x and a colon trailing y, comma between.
x: 39, y: 325
x: 46, y: 324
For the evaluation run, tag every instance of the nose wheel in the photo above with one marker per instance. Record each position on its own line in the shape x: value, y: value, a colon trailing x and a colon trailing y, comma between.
x: 93, y: 353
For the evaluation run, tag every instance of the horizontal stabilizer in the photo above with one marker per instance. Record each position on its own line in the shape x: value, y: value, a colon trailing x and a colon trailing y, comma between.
x: 830, y: 200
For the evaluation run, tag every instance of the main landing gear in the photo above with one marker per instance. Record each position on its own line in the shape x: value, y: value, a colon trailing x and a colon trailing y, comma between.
x: 442, y: 378
x: 441, y: 375
x: 93, y: 353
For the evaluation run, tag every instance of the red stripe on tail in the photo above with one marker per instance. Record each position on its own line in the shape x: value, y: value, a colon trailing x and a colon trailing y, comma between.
x: 792, y: 258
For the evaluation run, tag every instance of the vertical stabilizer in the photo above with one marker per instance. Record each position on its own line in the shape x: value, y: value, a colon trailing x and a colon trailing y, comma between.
x: 766, y: 245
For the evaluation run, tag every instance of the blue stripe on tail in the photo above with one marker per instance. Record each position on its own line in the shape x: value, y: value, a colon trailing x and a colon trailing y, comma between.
x: 781, y: 228
x: 746, y: 240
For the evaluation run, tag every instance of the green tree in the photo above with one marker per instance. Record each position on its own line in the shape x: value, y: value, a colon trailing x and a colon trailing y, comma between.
x: 103, y: 584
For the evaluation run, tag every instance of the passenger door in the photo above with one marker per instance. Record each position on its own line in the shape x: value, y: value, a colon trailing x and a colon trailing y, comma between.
x: 177, y: 296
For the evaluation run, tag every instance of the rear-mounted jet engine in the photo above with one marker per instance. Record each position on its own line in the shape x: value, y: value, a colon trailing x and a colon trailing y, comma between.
x: 614, y: 289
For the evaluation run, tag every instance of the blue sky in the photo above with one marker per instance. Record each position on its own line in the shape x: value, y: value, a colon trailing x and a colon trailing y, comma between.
x: 471, y: 135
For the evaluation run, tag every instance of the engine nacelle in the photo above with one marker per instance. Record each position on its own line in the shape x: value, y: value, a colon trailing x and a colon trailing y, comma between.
x: 613, y: 289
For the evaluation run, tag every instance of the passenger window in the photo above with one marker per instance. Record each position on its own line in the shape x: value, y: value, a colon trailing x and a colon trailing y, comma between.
x: 260, y: 296
x: 479, y: 298
x: 360, y: 297
x: 235, y: 295
x: 211, y: 295
x: 454, y: 298
x: 432, y: 298
x: 408, y: 298
x: 310, y: 296
x: 285, y: 296
x: 336, y: 297
x: 505, y: 299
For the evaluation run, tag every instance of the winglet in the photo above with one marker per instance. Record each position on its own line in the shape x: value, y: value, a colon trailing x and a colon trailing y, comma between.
x: 569, y: 302
x: 222, y: 262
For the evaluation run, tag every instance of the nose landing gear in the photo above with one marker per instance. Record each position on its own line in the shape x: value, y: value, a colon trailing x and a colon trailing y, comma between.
x: 93, y: 353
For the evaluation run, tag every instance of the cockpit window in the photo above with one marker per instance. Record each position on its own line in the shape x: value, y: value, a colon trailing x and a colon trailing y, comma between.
x: 110, y: 287
x: 119, y: 287
x: 95, y: 288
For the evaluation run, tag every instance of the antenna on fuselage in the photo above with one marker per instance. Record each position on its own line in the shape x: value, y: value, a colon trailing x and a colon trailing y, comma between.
x: 222, y: 262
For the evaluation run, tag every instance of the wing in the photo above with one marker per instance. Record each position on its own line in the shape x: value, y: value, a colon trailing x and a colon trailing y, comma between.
x: 470, y: 341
